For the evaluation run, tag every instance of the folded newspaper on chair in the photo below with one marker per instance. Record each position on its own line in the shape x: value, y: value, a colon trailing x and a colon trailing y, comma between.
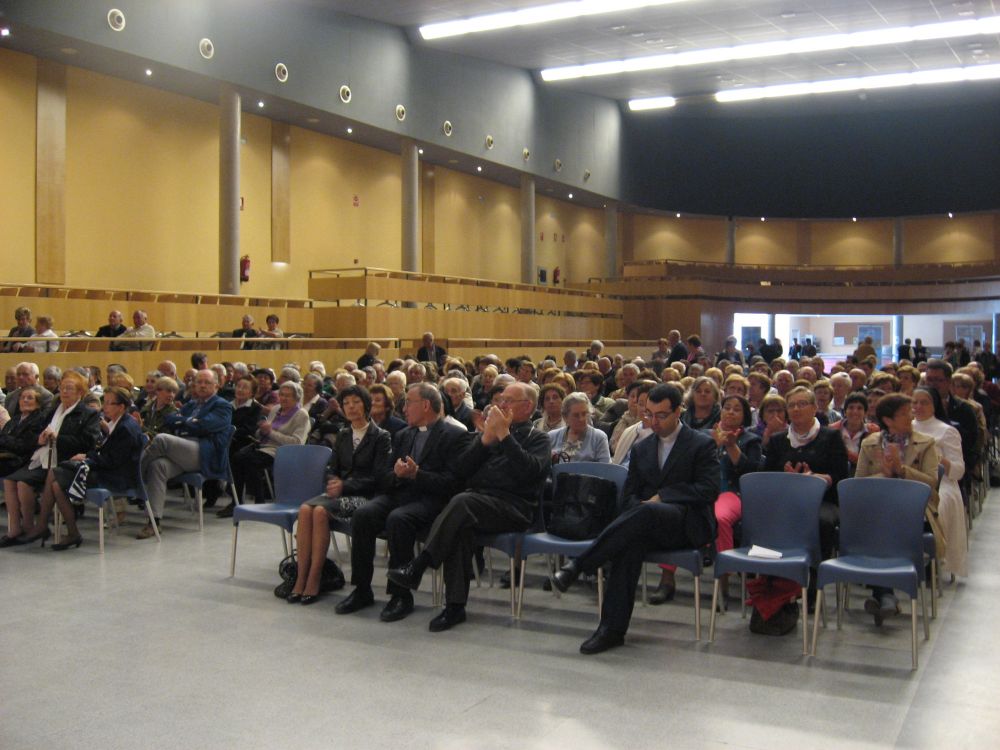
x: 758, y: 551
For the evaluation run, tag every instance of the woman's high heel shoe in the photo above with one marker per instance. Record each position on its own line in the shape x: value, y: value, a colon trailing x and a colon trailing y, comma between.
x: 68, y: 543
x: 293, y: 598
x: 12, y: 540
x: 43, y: 535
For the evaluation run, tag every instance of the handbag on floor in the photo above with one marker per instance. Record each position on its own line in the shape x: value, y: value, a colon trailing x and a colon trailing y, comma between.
x: 332, y: 580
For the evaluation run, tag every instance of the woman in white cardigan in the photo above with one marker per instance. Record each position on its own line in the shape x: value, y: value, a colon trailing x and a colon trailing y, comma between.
x: 929, y: 418
x: 578, y: 440
x: 286, y: 425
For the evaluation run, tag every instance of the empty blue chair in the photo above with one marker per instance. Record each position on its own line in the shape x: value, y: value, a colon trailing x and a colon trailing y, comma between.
x: 543, y: 543
x: 299, y: 474
x: 197, y: 480
x: 780, y: 512
x: 881, y: 543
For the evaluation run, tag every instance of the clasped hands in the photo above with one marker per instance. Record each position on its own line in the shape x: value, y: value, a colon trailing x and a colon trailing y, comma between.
x: 496, y: 428
x: 801, y: 467
x: 406, y: 469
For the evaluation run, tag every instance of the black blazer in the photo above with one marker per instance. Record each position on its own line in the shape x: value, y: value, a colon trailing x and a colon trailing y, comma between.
x: 690, y: 478
x: 436, y: 480
x: 79, y: 433
x: 363, y: 470
x: 19, y: 437
x: 245, y: 420
x: 110, y: 332
x: 116, y: 460
x: 826, y: 454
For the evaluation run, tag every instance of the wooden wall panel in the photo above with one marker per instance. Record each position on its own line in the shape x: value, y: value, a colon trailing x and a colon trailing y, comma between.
x: 281, y: 197
x: 50, y: 174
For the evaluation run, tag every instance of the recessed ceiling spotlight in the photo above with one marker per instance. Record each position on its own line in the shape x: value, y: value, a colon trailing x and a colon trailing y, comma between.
x: 350, y: 130
x: 854, y: 218
x: 4, y: 31
x: 678, y: 214
x: 148, y: 72
x: 762, y: 218
x: 420, y: 151
x: 570, y: 196
x: 260, y: 104
x: 479, y: 169
x: 951, y: 215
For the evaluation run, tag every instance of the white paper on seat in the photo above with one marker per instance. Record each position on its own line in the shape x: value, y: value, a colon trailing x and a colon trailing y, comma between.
x: 758, y: 551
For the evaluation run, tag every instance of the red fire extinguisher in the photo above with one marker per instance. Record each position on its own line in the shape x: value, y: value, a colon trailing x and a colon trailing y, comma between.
x: 245, y: 269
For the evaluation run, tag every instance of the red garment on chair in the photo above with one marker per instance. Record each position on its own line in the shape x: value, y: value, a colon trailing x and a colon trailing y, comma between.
x: 768, y: 594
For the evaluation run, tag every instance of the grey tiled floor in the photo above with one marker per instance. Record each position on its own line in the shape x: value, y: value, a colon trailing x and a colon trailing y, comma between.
x: 154, y: 646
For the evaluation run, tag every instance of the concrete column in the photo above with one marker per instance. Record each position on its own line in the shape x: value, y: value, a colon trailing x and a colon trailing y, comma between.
x: 897, y: 336
x: 528, y: 230
x: 611, y: 240
x: 772, y: 324
x: 730, y: 241
x: 411, y: 206
x: 996, y: 330
x: 229, y: 191
x: 897, y: 242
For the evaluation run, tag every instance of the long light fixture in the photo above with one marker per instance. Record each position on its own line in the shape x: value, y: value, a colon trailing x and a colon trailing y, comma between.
x: 805, y: 45
x: 863, y: 83
x: 534, y: 15
x: 652, y: 102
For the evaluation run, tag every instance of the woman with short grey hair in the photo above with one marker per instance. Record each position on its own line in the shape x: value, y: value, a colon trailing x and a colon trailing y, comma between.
x: 578, y: 440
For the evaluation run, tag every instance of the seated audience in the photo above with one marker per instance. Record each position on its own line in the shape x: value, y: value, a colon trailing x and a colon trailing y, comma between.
x: 141, y: 329
x: 44, y: 329
x: 18, y: 441
x: 22, y: 329
x: 702, y: 404
x: 247, y: 330
x: 312, y: 396
x: 578, y: 440
x: 381, y: 409
x: 267, y: 396
x: 162, y: 404
x: 854, y: 427
x: 271, y: 332
x: 114, y: 328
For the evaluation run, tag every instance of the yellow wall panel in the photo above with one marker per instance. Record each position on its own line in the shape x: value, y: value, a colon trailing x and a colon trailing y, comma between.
x: 142, y: 179
x: 328, y: 230
x: 266, y: 279
x: 670, y: 238
x: 573, y: 239
x: 964, y: 239
x: 477, y: 226
x: 849, y: 243
x: 762, y: 242
x: 17, y: 167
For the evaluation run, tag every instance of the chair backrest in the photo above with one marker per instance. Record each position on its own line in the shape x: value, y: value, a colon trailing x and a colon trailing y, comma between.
x: 299, y: 472
x: 781, y: 510
x: 614, y: 472
x: 883, y: 517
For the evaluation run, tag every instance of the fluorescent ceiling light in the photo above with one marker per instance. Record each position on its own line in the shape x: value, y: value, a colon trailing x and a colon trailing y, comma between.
x: 874, y: 38
x: 863, y: 83
x: 653, y: 102
x: 534, y: 15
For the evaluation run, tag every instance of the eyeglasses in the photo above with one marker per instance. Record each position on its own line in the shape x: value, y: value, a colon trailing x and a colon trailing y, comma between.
x: 507, y: 401
x: 657, y: 416
x: 800, y: 404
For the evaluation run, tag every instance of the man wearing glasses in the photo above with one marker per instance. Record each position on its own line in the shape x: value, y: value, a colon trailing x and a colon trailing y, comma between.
x: 673, y: 482
x: 506, y: 465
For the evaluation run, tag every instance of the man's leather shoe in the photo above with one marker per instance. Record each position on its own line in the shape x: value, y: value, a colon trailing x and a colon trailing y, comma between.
x: 355, y: 601
x: 397, y: 608
x: 452, y: 615
x: 563, y: 578
x: 408, y: 576
x: 663, y: 594
x: 602, y: 640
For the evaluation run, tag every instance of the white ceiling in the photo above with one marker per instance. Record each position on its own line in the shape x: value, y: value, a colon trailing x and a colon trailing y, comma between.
x: 699, y: 24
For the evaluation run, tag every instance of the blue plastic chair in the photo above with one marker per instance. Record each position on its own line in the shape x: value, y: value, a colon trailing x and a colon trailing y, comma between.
x: 691, y: 560
x: 299, y: 475
x: 101, y: 496
x: 881, y: 543
x: 543, y: 543
x: 780, y: 512
x: 197, y: 480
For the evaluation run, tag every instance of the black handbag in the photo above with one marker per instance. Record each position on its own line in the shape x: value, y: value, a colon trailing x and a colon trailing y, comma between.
x: 332, y: 580
x: 582, y: 506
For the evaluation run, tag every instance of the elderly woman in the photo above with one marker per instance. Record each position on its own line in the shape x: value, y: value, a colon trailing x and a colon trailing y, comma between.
x: 381, y: 409
x: 361, y: 462
x: 825, y: 413
x: 45, y: 324
x: 909, y: 378
x: 288, y: 424
x: 551, y: 397
x: 247, y: 414
x: 18, y: 440
x: 809, y: 448
x: 267, y: 396
x: 159, y: 406
x: 71, y: 428
x: 22, y: 329
x: 578, y: 440
x: 114, y: 464
x: 854, y: 427
x: 901, y: 452
x: 482, y: 385
x: 702, y: 404
x: 930, y: 418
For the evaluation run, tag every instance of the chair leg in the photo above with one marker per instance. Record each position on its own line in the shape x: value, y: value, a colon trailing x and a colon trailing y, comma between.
x: 934, y: 589
x: 284, y: 541
x: 489, y: 565
x: 805, y: 619
x: 711, y: 619
x: 100, y: 527
x: 600, y: 592
x: 517, y: 599
x: 232, y: 552
x: 697, y: 607
x: 819, y: 603
x: 201, y: 512
x: 913, y: 631
x: 645, y: 598
x: 156, y: 526
x: 743, y: 595
x: 475, y: 573
x: 923, y: 611
x: 57, y: 517
x: 840, y: 608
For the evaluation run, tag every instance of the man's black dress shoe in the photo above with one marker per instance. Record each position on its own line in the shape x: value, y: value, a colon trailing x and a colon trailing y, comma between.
x: 355, y: 601
x: 397, y: 608
x: 452, y: 615
x: 408, y: 576
x: 602, y: 640
x: 563, y: 578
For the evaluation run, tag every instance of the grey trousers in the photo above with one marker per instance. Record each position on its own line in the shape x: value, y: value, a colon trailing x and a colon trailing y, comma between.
x: 166, y: 457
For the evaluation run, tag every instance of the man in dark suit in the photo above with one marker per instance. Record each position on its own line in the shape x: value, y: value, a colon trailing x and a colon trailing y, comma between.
x: 905, y: 351
x: 960, y: 414
x: 506, y: 465
x: 246, y: 331
x: 430, y: 352
x: 114, y: 328
x: 419, y: 485
x: 678, y: 352
x: 673, y: 482
x: 454, y: 390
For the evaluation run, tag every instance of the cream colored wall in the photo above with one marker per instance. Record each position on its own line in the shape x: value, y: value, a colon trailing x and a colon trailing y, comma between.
x: 327, y: 230
x: 255, y: 218
x: 17, y: 167
x: 849, y: 243
x: 766, y: 242
x: 670, y: 238
x: 570, y: 237
x: 964, y: 239
x: 477, y: 226
x: 142, y: 170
